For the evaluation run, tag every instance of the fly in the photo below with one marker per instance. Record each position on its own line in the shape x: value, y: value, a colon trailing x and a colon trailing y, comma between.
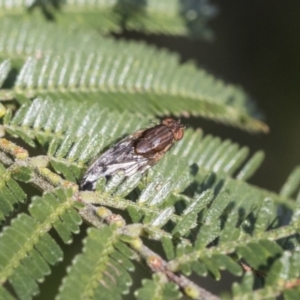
x: 137, y: 152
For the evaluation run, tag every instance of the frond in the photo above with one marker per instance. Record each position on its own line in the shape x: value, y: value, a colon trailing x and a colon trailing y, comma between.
x: 33, y: 121
x: 151, y: 86
x: 101, y: 271
x: 204, y: 200
x: 167, y: 17
x: 217, y: 207
x: 143, y: 79
x: 26, y: 248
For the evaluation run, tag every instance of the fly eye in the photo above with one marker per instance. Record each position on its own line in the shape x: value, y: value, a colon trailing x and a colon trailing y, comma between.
x: 178, y: 134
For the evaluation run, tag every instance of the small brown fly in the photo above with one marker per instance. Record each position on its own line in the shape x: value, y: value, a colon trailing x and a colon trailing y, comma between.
x: 135, y: 153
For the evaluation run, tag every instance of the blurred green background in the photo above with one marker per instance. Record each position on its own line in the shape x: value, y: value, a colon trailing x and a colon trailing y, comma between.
x: 256, y: 46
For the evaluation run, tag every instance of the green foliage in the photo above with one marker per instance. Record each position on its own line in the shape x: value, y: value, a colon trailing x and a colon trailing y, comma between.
x: 10, y: 193
x: 157, y: 289
x: 33, y: 121
x: 26, y: 248
x: 70, y: 92
x: 105, y: 71
x: 283, y: 278
x: 101, y: 271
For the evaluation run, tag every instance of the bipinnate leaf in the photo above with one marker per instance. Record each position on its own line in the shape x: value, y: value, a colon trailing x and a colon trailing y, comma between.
x: 26, y: 248
x: 101, y: 271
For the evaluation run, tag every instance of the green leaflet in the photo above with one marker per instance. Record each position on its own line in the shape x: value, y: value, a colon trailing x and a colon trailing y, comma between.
x: 10, y: 193
x: 246, y: 285
x: 163, y: 217
x: 292, y: 183
x: 210, y: 152
x: 216, y: 209
x: 26, y: 241
x: 158, y: 289
x: 190, y: 214
x: 250, y: 168
x: 69, y: 158
x: 4, y: 70
x: 168, y: 247
x: 265, y: 248
x: 42, y: 209
x: 101, y: 271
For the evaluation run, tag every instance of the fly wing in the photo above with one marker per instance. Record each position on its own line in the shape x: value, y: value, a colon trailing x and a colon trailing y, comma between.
x: 121, y: 156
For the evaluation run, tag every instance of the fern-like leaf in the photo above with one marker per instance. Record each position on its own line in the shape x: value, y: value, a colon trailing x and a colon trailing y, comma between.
x: 233, y: 206
x: 26, y: 249
x: 34, y: 122
x: 101, y: 271
x: 139, y: 79
x: 152, y: 81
